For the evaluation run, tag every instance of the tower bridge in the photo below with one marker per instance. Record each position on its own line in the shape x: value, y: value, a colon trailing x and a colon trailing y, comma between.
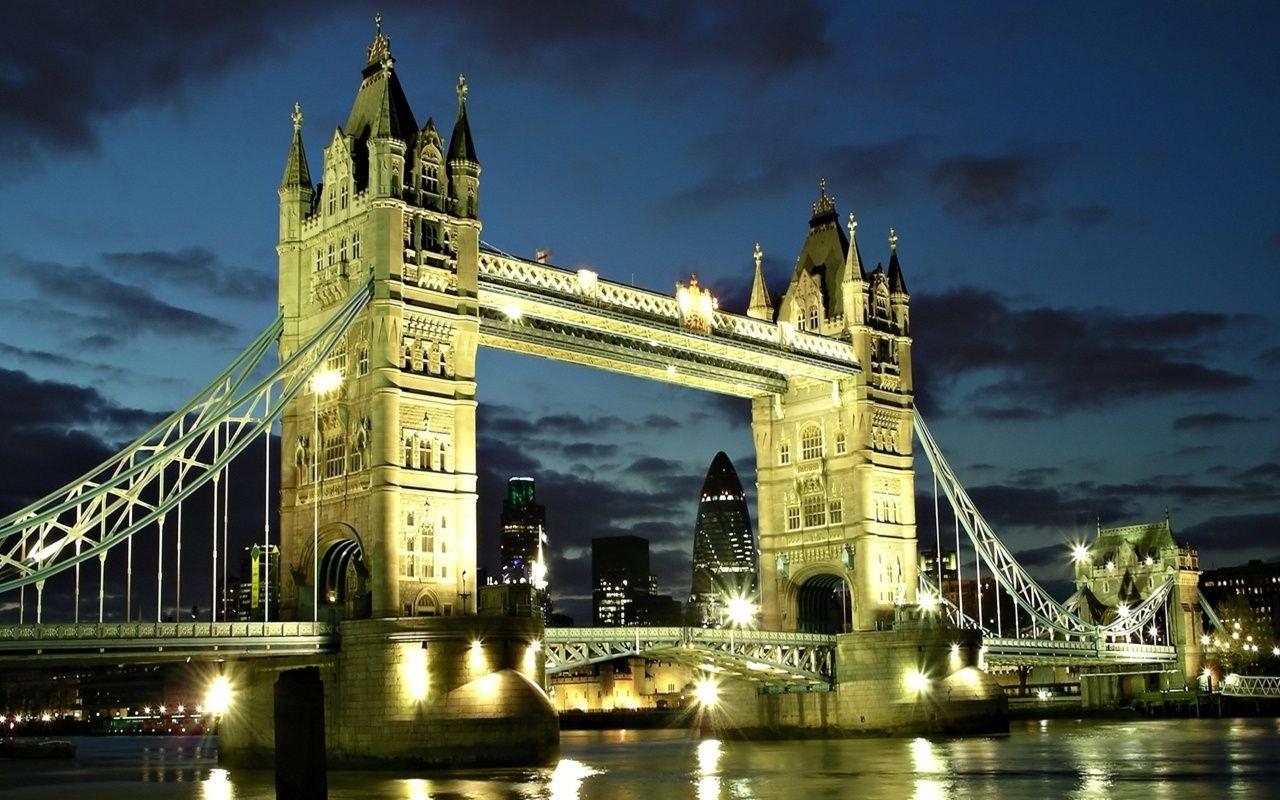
x: 386, y: 295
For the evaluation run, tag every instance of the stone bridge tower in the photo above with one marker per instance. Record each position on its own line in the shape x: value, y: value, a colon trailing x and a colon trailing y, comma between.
x: 378, y: 455
x: 834, y: 463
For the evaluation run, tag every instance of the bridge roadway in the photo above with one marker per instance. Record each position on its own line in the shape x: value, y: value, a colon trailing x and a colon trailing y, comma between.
x: 776, y: 659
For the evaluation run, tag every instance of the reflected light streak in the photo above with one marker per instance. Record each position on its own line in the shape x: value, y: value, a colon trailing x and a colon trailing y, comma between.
x: 417, y: 789
x: 566, y: 779
x: 217, y: 786
x: 708, y: 766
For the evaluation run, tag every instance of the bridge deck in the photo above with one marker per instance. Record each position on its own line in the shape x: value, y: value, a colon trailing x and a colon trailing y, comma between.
x: 149, y: 642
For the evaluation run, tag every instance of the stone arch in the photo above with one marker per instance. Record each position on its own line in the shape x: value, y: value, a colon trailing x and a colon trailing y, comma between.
x: 426, y: 604
x: 824, y: 602
x: 344, y: 576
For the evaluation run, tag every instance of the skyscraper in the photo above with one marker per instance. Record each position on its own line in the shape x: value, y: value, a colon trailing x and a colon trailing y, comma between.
x: 524, y: 533
x: 726, y: 562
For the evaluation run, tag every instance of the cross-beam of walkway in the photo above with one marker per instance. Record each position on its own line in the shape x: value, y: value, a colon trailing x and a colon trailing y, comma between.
x: 152, y: 642
x: 774, y: 659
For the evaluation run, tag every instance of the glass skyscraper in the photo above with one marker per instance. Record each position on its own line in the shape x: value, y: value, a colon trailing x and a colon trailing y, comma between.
x: 524, y: 540
x: 726, y: 561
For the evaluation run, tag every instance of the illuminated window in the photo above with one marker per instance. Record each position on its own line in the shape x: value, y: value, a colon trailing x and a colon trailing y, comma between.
x: 355, y: 245
x: 842, y: 443
x: 784, y: 453
x: 342, y: 197
x: 793, y: 518
x: 835, y: 511
x: 810, y: 443
x: 342, y: 250
x: 337, y: 360
x: 362, y: 364
x: 332, y: 198
x: 431, y: 178
x: 813, y: 318
x: 814, y: 511
x: 331, y: 255
x: 333, y: 455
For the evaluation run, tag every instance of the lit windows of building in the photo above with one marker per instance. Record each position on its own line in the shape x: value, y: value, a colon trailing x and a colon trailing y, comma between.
x: 726, y: 560
x: 810, y: 443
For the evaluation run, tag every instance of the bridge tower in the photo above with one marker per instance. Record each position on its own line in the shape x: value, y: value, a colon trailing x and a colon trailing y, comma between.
x: 378, y: 455
x: 834, y: 464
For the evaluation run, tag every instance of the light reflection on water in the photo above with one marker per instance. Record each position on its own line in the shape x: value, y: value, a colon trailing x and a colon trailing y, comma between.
x: 1183, y: 759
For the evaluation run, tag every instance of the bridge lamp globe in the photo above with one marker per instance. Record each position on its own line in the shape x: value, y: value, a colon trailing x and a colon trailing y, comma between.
x: 513, y: 312
x: 917, y: 681
x: 706, y: 692
x: 1080, y: 554
x: 218, y: 697
x: 1204, y: 641
x: 740, y: 611
x: 928, y: 602
x: 1123, y: 609
x: 326, y: 381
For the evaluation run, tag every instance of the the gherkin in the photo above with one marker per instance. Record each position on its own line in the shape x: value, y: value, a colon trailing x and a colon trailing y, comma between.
x: 726, y: 561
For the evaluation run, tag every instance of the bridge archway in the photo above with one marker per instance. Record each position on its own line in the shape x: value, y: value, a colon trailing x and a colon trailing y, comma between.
x: 344, y: 577
x: 824, y: 604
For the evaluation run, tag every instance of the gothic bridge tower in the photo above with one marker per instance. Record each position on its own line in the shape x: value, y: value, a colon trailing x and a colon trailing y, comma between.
x: 834, y: 464
x: 378, y: 455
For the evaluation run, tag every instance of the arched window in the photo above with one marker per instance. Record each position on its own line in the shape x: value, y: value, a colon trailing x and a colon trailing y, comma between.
x: 842, y: 443
x: 810, y: 443
x: 430, y: 177
x: 784, y: 453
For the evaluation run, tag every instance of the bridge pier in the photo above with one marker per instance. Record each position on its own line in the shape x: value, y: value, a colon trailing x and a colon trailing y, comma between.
x: 887, y: 682
x: 423, y: 692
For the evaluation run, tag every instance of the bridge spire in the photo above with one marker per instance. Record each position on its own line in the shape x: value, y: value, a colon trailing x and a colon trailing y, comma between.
x: 761, y: 305
x: 296, y: 173
x: 897, y: 285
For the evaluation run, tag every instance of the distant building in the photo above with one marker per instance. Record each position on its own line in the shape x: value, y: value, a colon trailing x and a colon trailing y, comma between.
x: 1255, y: 583
x: 623, y: 591
x: 523, y: 540
x: 726, y: 561
x: 258, y: 590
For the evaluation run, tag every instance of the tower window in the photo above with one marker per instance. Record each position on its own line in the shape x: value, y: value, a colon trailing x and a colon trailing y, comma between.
x: 333, y: 196
x: 432, y: 236
x: 815, y: 511
x: 842, y: 443
x: 793, y: 518
x: 331, y: 255
x: 810, y: 443
x: 333, y: 455
x: 784, y: 453
x: 319, y: 259
x: 835, y: 511
x: 362, y: 364
x: 342, y: 197
x: 431, y: 178
x: 342, y: 249
x: 813, y: 318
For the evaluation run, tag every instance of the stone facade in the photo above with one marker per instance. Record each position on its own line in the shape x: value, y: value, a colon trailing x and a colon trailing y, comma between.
x: 834, y: 461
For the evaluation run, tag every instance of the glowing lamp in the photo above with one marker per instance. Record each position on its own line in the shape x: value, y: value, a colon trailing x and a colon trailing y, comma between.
x: 218, y: 698
x: 697, y: 306
x: 917, y: 681
x: 326, y: 381
x: 1080, y: 554
x: 740, y: 611
x: 706, y: 693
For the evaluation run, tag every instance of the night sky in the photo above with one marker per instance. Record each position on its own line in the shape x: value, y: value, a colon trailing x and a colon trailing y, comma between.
x: 1086, y: 198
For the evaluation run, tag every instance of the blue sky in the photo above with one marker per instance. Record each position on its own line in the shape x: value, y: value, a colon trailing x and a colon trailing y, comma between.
x: 1085, y: 194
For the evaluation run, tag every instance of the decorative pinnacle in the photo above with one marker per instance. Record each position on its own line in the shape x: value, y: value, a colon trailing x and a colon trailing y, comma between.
x: 893, y: 239
x: 759, y: 254
x: 853, y: 224
x: 462, y: 89
x: 377, y: 23
x: 297, y: 116
x: 825, y: 204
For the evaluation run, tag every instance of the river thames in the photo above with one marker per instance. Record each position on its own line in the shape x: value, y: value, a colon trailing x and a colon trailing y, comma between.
x: 1149, y: 759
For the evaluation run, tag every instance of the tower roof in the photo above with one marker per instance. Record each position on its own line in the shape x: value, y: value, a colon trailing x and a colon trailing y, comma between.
x: 296, y: 172
x: 380, y: 109
x: 461, y: 147
x: 853, y: 258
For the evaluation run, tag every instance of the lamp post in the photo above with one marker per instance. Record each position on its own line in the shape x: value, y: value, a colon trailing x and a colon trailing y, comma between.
x: 321, y: 383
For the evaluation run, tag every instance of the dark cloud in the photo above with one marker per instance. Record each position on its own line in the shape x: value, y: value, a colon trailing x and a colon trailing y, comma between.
x: 1044, y: 507
x: 589, y: 450
x: 876, y: 171
x: 67, y: 68
x: 1269, y: 471
x: 585, y: 43
x: 1063, y: 359
x: 1087, y: 216
x: 1210, y: 421
x: 113, y: 308
x: 1051, y: 555
x: 660, y: 422
x: 654, y: 466
x: 1008, y: 414
x: 994, y: 190
x: 1234, y: 532
x: 1270, y: 357
x: 194, y: 268
x: 28, y: 403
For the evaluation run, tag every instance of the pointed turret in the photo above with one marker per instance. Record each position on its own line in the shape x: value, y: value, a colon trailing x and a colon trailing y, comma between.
x: 296, y: 172
x: 854, y: 288
x: 296, y: 192
x: 464, y: 167
x: 760, y: 305
x: 896, y: 284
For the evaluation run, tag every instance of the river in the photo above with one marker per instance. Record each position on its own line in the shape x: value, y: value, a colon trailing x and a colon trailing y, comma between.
x: 1148, y: 759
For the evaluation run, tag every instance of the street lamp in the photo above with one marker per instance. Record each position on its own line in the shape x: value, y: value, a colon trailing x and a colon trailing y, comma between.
x: 322, y: 383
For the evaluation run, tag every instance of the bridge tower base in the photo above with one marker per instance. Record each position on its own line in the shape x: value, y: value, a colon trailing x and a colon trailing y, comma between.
x: 438, y: 692
x: 888, y: 682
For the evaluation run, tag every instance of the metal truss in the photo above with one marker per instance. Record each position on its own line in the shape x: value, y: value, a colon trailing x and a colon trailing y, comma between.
x: 1210, y: 614
x: 150, y: 642
x: 778, y: 660
x: 1047, y: 612
x: 138, y: 486
x: 1258, y: 686
x: 1064, y: 652
x: 578, y: 317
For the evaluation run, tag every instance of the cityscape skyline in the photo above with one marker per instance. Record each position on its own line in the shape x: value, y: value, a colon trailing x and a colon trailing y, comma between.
x: 1070, y: 397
